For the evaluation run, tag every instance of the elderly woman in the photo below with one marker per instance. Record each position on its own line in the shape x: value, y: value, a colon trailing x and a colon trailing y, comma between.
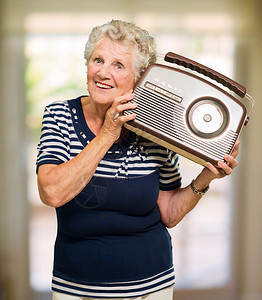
x: 114, y: 192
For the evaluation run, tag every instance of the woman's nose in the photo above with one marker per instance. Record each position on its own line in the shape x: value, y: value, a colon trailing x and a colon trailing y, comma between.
x: 104, y: 71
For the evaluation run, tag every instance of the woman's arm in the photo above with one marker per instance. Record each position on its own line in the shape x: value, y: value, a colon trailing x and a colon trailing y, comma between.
x: 58, y: 184
x: 175, y: 204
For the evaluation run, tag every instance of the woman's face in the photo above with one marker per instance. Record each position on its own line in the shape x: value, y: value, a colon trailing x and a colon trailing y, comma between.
x: 110, y: 71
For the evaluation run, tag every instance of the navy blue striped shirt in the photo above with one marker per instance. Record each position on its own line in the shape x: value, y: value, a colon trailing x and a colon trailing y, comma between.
x: 110, y: 240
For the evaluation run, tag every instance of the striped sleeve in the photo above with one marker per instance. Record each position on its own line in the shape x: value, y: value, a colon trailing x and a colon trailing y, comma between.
x: 54, y: 145
x: 169, y: 175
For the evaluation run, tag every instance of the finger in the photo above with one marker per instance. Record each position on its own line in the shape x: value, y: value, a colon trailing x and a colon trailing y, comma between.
x: 224, y: 168
x: 231, y: 161
x: 219, y: 171
x: 119, y: 109
x: 123, y: 99
x: 121, y: 119
x: 213, y: 169
x: 115, y: 115
x: 126, y: 118
x: 236, y: 149
x: 126, y: 106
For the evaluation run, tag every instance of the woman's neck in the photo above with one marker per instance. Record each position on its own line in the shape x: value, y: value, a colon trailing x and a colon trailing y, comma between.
x: 94, y: 114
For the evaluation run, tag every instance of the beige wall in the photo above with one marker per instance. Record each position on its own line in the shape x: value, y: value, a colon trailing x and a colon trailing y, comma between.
x: 14, y: 208
x: 250, y: 218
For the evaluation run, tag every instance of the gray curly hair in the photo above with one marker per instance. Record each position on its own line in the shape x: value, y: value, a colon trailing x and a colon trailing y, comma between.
x: 128, y: 33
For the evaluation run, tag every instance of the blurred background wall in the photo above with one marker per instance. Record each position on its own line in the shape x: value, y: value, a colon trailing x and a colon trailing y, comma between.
x: 246, y: 27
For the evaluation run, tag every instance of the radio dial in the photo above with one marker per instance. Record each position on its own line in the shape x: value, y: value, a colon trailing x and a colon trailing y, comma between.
x: 207, y: 117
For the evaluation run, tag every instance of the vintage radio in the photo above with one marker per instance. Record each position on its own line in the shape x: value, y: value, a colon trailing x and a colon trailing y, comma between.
x: 187, y: 112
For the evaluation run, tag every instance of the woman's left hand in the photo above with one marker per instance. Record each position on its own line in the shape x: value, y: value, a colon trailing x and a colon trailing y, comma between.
x: 225, y: 167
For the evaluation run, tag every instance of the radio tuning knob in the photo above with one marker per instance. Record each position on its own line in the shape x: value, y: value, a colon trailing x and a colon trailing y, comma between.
x: 207, y: 118
x: 246, y: 121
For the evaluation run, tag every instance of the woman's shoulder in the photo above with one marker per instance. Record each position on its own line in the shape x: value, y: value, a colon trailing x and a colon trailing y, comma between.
x: 57, y: 105
x: 56, y: 109
x: 62, y: 106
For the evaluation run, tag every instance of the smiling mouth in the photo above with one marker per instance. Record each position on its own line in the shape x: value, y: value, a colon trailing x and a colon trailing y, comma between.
x: 103, y: 86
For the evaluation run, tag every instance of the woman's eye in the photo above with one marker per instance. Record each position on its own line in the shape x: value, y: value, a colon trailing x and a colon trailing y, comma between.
x: 98, y: 60
x: 119, y: 66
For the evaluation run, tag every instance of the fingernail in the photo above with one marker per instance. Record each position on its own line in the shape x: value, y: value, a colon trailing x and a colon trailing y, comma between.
x: 220, y: 163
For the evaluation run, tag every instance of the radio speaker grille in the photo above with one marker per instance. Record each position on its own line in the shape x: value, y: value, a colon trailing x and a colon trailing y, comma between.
x: 166, y: 117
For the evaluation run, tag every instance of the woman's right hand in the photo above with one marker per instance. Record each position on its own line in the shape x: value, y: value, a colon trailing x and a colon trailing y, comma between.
x: 114, y: 118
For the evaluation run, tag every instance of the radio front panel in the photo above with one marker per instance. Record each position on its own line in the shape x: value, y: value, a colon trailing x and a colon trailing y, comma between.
x: 187, y: 114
